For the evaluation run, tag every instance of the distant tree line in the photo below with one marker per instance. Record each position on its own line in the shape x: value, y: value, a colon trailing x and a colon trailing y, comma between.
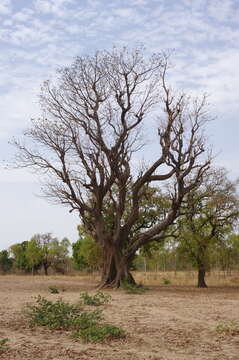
x: 34, y: 257
x: 43, y: 251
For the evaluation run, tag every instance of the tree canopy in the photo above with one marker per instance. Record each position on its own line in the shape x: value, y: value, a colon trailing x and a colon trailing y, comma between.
x: 209, y: 214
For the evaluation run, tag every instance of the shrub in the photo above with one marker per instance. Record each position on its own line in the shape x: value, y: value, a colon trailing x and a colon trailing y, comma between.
x: 58, y: 315
x: 62, y: 315
x: 133, y: 288
x: 3, y: 345
x: 166, y: 281
x: 228, y: 328
x: 95, y: 300
x: 87, y: 319
x: 98, y: 332
x: 53, y: 290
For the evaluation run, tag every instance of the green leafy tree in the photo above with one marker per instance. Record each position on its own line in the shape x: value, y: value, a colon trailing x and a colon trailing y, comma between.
x: 5, y: 261
x: 78, y: 256
x: 18, y: 252
x: 43, y: 250
x: 49, y: 251
x: 210, y: 213
x: 59, y: 254
x: 34, y: 254
x: 86, y: 252
x: 226, y: 255
x: 43, y: 242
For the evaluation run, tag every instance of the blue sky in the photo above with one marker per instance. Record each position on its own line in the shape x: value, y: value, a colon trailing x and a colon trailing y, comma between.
x: 39, y: 36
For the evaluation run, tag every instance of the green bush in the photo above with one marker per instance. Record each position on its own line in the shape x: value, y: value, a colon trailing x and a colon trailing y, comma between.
x: 58, y: 315
x: 87, y: 319
x: 62, y: 315
x: 228, y: 328
x: 53, y: 290
x: 95, y: 300
x: 98, y: 332
x: 166, y: 281
x: 3, y: 345
x: 133, y: 288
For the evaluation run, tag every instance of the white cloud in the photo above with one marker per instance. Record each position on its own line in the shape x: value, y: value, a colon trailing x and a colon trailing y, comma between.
x: 16, y: 111
x: 5, y: 7
x: 138, y: 2
x: 221, y: 10
x: 124, y: 12
x: 23, y: 15
x: 57, y: 8
x: 7, y: 22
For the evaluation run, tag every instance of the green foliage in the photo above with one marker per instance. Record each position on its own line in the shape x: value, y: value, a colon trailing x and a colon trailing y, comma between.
x: 211, y: 212
x: 87, y: 319
x: 58, y: 315
x: 228, y: 328
x: 86, y: 252
x: 34, y: 253
x: 78, y: 256
x: 3, y: 345
x: 53, y: 290
x: 132, y: 288
x: 227, y: 252
x: 58, y: 252
x: 166, y: 281
x: 42, y: 250
x: 65, y: 316
x: 95, y: 300
x: 54, y: 252
x: 5, y: 261
x: 19, y: 256
x: 96, y: 333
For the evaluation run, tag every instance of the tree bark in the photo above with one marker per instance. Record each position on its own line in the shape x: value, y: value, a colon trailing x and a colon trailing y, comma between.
x: 201, y: 277
x: 115, y: 269
x: 45, y: 266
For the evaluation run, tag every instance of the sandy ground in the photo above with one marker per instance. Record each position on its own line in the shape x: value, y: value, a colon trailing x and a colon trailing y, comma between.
x: 165, y: 323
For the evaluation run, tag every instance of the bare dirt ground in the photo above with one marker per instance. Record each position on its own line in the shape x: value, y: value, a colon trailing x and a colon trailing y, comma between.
x: 167, y: 322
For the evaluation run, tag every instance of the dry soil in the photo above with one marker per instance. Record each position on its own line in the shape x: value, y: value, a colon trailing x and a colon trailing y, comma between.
x: 165, y: 323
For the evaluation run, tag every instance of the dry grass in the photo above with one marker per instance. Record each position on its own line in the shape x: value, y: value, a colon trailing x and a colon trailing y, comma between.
x: 186, y: 278
x: 168, y: 322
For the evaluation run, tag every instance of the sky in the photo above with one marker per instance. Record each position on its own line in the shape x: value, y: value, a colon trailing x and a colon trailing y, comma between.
x: 37, y: 37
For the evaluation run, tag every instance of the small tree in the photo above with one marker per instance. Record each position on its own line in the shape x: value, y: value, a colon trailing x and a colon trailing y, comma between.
x: 5, y: 261
x: 226, y: 256
x: 93, y: 120
x: 59, y: 251
x: 210, y: 213
x: 34, y: 254
x: 43, y: 242
x: 87, y: 253
x: 48, y: 251
x: 18, y: 252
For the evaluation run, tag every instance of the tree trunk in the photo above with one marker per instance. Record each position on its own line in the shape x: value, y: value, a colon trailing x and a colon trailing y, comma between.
x: 45, y: 266
x: 115, y: 269
x: 201, y: 277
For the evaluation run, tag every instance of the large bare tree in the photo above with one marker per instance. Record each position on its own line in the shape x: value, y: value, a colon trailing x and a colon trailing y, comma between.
x: 94, y: 117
